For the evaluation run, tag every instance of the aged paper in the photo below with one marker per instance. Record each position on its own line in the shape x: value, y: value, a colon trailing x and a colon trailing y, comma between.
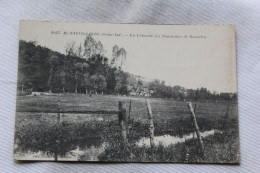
x: 126, y: 93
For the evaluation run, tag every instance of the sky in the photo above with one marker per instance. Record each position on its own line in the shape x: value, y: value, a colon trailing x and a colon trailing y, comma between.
x: 192, y: 56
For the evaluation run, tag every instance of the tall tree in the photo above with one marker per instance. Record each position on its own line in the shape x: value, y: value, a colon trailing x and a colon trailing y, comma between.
x: 89, y: 47
x: 54, y: 61
x: 78, y: 67
x: 23, y: 81
x: 86, y: 82
x: 102, y: 84
x: 111, y: 80
x: 70, y: 48
x: 122, y: 56
x: 99, y: 48
x: 79, y: 51
x: 63, y: 80
x: 114, y: 54
x: 93, y: 83
x: 118, y: 81
x: 122, y: 82
x: 118, y: 57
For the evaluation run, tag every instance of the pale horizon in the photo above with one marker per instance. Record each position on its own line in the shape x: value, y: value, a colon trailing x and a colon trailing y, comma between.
x: 191, y: 63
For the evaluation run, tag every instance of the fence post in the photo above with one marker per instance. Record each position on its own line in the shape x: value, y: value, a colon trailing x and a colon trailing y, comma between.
x: 129, y: 111
x: 196, y: 128
x: 151, y: 128
x: 122, y: 117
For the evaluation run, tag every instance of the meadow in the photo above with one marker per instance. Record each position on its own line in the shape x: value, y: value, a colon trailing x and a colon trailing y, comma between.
x: 97, y: 137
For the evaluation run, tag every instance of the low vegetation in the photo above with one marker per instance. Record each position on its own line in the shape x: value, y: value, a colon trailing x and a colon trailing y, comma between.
x: 41, y: 132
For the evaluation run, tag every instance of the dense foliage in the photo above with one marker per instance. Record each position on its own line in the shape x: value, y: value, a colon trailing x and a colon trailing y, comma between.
x: 41, y: 69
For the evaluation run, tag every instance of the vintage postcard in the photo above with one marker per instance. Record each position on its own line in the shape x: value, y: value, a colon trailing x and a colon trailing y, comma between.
x: 126, y: 93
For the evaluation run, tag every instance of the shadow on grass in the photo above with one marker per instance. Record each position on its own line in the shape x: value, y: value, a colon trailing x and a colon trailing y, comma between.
x: 50, y: 138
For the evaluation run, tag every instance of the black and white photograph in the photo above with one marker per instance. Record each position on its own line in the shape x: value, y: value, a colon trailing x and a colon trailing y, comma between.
x: 106, y: 92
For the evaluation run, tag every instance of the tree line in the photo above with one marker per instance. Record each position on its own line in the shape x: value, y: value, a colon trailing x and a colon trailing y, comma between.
x: 82, y: 69
x: 85, y: 69
x: 160, y: 90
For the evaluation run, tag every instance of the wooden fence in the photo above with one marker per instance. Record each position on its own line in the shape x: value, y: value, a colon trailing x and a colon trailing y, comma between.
x: 123, y: 120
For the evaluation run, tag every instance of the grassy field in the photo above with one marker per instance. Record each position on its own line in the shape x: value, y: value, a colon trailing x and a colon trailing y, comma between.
x: 39, y: 131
